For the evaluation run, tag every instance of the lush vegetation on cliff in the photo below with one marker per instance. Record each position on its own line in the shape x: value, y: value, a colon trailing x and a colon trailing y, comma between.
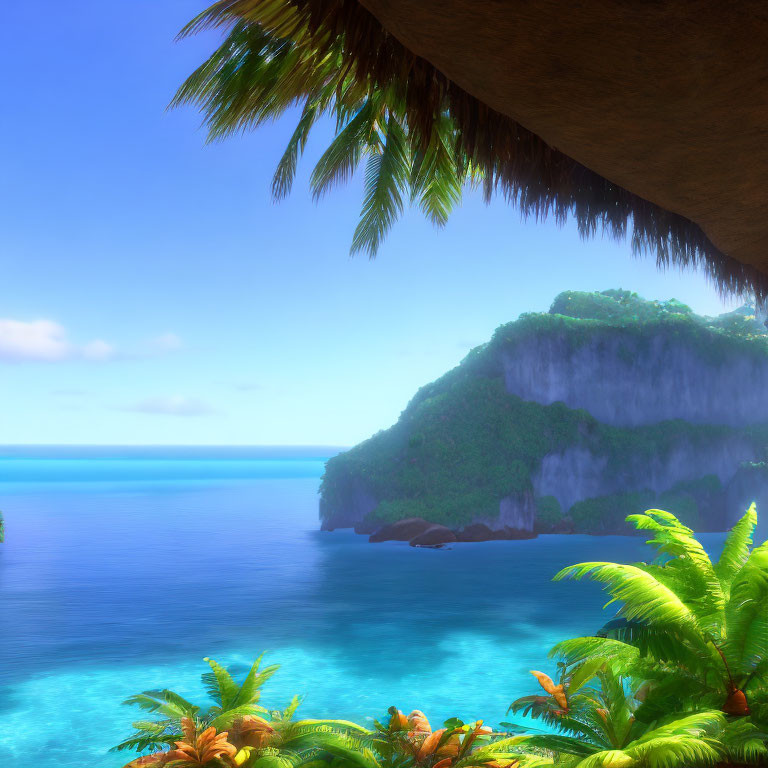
x: 577, y: 316
x: 463, y: 442
x: 679, y: 678
x: 453, y: 455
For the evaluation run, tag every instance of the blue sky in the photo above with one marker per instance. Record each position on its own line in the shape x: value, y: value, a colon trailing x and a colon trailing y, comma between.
x: 152, y: 293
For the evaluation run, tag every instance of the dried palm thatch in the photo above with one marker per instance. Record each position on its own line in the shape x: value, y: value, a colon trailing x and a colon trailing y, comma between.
x: 427, y: 135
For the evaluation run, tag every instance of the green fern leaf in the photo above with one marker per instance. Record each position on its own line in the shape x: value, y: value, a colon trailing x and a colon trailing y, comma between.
x: 222, y: 687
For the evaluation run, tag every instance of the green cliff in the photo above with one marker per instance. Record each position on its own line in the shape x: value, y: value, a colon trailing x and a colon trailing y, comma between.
x: 568, y: 421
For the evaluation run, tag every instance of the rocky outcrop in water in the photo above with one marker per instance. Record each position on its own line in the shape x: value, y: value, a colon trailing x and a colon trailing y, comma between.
x: 567, y: 421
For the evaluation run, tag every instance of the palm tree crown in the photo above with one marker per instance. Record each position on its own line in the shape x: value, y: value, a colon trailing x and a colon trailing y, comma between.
x: 689, y: 626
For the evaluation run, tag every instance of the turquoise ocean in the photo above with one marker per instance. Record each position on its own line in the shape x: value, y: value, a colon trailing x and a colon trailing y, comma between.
x: 123, y: 568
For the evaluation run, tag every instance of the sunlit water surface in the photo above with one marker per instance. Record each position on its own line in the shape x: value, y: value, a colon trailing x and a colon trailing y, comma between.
x: 120, y: 574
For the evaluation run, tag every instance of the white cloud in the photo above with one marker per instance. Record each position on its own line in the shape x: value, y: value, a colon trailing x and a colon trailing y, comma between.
x: 98, y: 350
x: 46, y: 341
x: 38, y: 340
x: 176, y: 405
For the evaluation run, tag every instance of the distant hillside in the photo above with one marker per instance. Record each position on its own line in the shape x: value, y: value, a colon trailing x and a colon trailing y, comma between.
x: 570, y: 420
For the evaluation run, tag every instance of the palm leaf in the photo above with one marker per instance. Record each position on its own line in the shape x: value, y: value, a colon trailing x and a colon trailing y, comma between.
x: 286, y: 167
x: 673, y: 538
x: 608, y: 758
x: 549, y: 712
x: 332, y: 728
x: 338, y: 162
x: 220, y: 685
x: 591, y: 654
x: 290, y: 710
x: 554, y: 743
x: 643, y: 596
x: 746, y: 615
x: 350, y: 752
x: 224, y: 719
x: 744, y: 742
x: 436, y: 180
x: 667, y: 644
x: 248, y: 692
x: 696, y: 724
x: 676, y: 752
x: 164, y: 702
x: 736, y: 548
x: 386, y: 176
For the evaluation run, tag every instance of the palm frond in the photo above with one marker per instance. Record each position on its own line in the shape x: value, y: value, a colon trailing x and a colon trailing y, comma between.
x: 677, y: 751
x: 337, y: 164
x: 673, y: 538
x: 697, y: 725
x: 285, y: 172
x: 588, y: 655
x: 643, y: 596
x: 249, y: 691
x: 570, y: 723
x: 386, y: 177
x: 553, y: 742
x: 148, y: 735
x: 660, y: 643
x: 163, y: 702
x: 331, y: 728
x: 736, y: 548
x: 368, y: 59
x: 436, y: 175
x: 220, y: 685
x: 746, y: 612
x: 350, y: 752
x: 223, y: 720
x: 744, y: 742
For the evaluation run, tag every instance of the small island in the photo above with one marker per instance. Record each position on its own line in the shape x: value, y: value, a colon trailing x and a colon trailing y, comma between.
x: 566, y: 422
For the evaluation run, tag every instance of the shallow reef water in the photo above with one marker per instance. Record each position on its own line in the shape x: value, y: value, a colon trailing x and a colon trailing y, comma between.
x: 120, y: 574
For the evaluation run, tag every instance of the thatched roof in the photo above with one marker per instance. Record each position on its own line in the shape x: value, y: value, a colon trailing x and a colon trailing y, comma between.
x: 650, y: 116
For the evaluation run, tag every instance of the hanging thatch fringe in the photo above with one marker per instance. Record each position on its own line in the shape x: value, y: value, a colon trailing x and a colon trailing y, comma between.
x: 537, y: 178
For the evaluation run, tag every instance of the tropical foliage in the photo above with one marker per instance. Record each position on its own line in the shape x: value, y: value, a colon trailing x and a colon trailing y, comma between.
x: 410, y: 742
x: 693, y: 628
x: 269, y: 63
x: 234, y: 730
x: 598, y: 726
x: 422, y: 135
x: 679, y: 679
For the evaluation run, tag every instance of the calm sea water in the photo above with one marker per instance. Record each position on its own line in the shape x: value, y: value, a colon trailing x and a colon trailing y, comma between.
x: 123, y: 569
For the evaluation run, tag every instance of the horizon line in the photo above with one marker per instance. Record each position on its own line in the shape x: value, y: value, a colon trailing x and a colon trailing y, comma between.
x: 172, y: 445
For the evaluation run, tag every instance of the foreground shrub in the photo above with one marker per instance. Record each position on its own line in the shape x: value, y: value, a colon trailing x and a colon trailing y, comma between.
x: 236, y: 730
x: 700, y: 630
x: 597, y: 727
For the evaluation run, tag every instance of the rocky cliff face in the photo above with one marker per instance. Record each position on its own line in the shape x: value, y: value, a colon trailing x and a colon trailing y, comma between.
x: 517, y: 512
x: 627, y: 379
x: 567, y: 419
x: 578, y: 473
x: 359, y: 502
